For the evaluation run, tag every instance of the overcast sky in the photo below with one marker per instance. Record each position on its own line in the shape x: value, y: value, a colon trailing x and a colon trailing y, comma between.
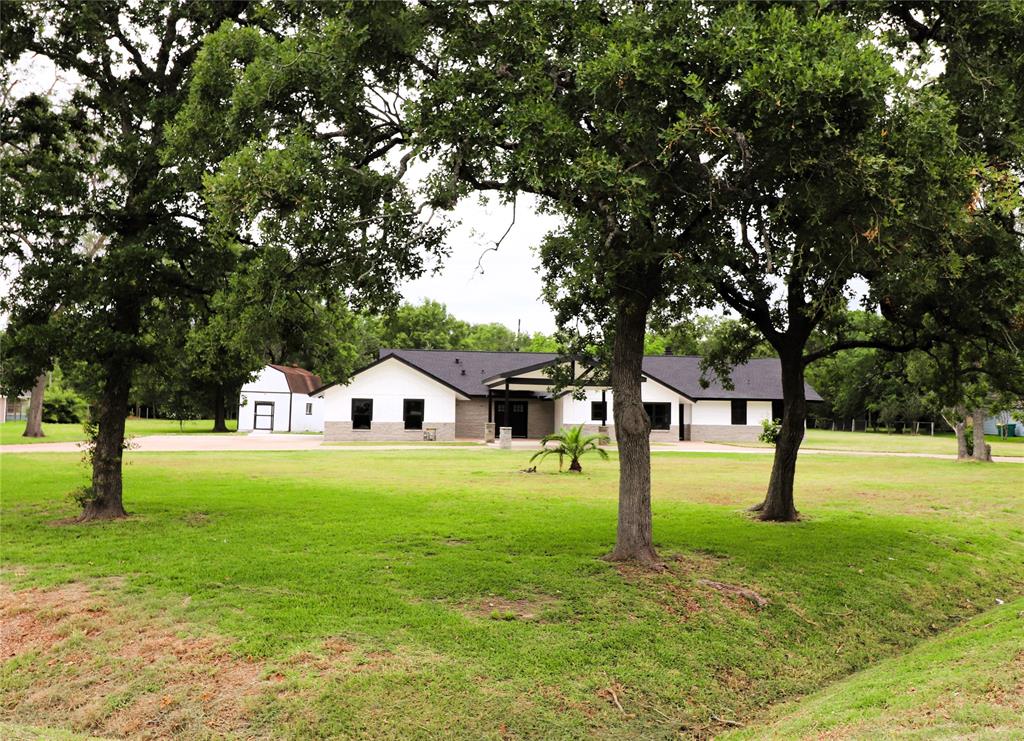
x: 506, y: 286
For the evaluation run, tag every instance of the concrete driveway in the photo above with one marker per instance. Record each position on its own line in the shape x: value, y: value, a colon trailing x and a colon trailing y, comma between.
x: 268, y: 441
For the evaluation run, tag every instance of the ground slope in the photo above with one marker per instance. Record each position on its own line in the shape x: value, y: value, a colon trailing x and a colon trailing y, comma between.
x: 967, y: 682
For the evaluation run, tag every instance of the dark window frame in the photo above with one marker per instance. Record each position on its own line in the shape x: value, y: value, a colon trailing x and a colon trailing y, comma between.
x: 598, y: 411
x: 738, y: 411
x: 309, y: 408
x: 657, y: 423
x: 405, y: 413
x: 368, y: 415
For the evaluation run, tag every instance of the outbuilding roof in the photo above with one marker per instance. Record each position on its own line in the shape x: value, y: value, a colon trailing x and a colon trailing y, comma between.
x: 466, y: 371
x: 300, y: 380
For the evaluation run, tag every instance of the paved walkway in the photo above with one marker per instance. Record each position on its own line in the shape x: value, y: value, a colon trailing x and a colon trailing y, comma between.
x: 258, y: 442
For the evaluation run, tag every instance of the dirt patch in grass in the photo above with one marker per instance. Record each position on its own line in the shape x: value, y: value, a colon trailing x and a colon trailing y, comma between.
x: 499, y: 608
x: 71, y: 659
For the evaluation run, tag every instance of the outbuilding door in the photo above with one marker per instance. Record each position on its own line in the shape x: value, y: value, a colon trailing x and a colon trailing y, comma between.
x: 516, y: 419
x: 263, y: 416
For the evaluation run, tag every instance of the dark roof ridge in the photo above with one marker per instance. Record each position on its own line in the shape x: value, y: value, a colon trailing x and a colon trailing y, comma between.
x: 477, y: 352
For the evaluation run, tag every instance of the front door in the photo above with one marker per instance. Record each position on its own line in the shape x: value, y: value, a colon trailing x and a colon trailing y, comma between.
x: 263, y: 416
x: 517, y: 418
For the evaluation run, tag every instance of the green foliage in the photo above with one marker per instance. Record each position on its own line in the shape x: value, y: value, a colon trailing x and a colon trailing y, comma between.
x: 770, y: 431
x: 571, y: 444
x: 63, y: 405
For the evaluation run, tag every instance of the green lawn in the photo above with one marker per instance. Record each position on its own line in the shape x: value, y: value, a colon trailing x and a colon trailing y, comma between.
x: 967, y: 683
x: 11, y: 432
x: 425, y: 593
x: 880, y: 442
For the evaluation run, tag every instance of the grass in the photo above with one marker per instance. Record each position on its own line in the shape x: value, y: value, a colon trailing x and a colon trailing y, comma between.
x: 370, y: 590
x: 377, y: 444
x: 880, y: 442
x: 11, y: 432
x: 968, y: 682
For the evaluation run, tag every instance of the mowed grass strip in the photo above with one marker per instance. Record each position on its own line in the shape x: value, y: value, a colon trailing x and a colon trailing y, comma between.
x: 12, y: 433
x: 445, y: 592
x: 881, y: 442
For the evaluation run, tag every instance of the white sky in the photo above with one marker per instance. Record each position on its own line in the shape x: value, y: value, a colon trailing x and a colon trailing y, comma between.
x: 506, y: 286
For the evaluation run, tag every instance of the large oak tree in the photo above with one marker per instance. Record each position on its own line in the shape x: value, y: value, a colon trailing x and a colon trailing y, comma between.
x: 179, y: 209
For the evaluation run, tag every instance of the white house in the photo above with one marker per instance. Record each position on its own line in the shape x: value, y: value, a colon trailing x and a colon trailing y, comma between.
x: 281, y: 398
x: 445, y: 395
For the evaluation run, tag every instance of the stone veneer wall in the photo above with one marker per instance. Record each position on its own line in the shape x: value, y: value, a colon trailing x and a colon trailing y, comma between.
x: 671, y: 435
x: 540, y: 418
x: 725, y: 433
x: 470, y: 418
x: 386, y: 432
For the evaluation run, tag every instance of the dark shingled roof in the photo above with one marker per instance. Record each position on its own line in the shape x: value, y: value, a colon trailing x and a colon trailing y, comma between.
x: 300, y: 380
x: 477, y: 365
x: 757, y: 379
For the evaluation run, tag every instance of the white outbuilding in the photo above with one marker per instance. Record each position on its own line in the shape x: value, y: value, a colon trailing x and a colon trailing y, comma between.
x: 281, y: 398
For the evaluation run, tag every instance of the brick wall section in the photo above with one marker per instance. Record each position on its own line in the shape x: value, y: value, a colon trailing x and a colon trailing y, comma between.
x: 725, y: 433
x: 671, y: 435
x: 342, y: 432
x: 540, y: 418
x: 470, y: 418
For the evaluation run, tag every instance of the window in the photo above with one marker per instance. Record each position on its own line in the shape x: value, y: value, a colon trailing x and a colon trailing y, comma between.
x: 660, y: 415
x: 362, y: 414
x: 309, y: 408
x: 777, y: 408
x: 599, y: 410
x: 412, y: 413
x: 739, y: 411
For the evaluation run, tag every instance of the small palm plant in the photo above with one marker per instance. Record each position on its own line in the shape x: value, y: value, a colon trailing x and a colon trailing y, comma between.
x: 572, y: 444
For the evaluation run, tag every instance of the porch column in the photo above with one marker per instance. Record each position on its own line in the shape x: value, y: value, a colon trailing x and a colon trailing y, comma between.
x: 489, y: 426
x: 604, y: 408
x: 507, y: 421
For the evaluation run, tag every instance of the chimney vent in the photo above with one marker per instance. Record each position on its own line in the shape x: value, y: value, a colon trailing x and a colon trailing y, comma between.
x: 457, y: 361
x: 463, y: 371
x: 668, y: 350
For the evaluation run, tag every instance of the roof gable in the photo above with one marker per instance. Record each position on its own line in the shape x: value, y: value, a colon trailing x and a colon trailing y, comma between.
x: 300, y: 380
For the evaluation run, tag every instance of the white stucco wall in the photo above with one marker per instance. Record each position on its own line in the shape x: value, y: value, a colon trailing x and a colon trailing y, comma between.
x: 389, y: 384
x: 302, y: 422
x: 715, y: 412
x: 271, y: 386
x: 757, y: 411
x: 575, y: 412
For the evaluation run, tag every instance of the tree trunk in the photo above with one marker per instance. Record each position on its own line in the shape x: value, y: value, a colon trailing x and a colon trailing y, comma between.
x: 575, y: 466
x: 219, y: 410
x: 633, y: 539
x: 34, y: 419
x: 108, y: 450
x: 778, y: 503
x: 982, y: 450
x: 960, y: 430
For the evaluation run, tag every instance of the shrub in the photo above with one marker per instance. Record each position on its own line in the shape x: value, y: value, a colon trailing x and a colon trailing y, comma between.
x: 62, y: 405
x: 770, y: 431
x: 572, y: 444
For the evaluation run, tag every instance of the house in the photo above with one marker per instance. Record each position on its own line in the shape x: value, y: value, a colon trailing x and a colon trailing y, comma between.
x: 994, y: 423
x: 281, y: 398
x: 14, y: 408
x: 450, y: 394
